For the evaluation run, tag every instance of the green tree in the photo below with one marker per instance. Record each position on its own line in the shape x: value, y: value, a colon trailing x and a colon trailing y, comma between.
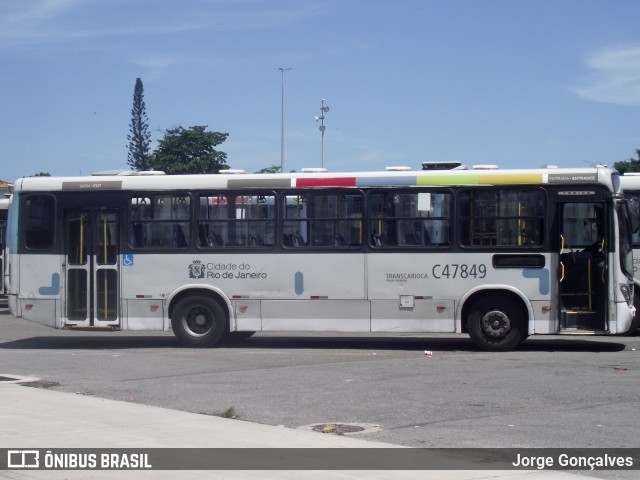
x: 631, y: 165
x: 139, y: 136
x: 42, y: 174
x: 183, y: 151
x: 271, y: 169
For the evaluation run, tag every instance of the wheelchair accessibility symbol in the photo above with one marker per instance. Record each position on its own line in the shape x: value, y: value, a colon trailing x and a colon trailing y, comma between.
x: 127, y: 260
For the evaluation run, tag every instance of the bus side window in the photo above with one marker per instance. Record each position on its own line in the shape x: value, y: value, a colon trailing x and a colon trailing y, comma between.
x: 40, y: 216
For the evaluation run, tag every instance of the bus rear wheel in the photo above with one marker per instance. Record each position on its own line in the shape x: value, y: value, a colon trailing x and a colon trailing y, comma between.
x: 198, y: 321
x: 496, y: 323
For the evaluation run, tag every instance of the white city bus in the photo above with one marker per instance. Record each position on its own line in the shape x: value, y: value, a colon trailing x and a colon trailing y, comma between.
x: 631, y: 186
x: 4, y: 206
x: 497, y: 254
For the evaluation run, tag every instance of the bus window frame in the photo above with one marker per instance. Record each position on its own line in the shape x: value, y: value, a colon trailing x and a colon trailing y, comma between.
x: 332, y: 242
x: 214, y: 241
x: 378, y: 242
x: 178, y: 229
x: 465, y: 243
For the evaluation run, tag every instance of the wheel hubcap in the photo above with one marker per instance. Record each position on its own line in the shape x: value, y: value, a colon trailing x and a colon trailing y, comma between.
x: 496, y: 324
x: 198, y: 322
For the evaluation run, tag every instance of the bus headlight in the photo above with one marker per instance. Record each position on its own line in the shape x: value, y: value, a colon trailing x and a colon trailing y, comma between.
x: 626, y: 293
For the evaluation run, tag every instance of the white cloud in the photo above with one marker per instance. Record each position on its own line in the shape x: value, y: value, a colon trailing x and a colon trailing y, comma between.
x: 159, y: 61
x: 22, y: 22
x: 614, y: 77
x: 37, y: 22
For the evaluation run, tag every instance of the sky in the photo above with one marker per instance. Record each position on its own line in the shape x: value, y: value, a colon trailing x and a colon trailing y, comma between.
x: 513, y: 83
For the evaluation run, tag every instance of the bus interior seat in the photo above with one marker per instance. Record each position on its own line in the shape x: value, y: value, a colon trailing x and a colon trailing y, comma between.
x: 298, y: 241
x: 293, y: 240
x: 203, y: 237
x: 179, y: 238
x: 378, y: 240
x: 255, y: 241
x: 207, y: 238
x: 427, y: 237
x: 137, y: 239
x: 216, y: 240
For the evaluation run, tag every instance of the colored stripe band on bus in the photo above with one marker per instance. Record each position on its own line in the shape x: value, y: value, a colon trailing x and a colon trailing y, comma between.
x: 422, y: 180
x: 386, y: 181
x: 326, y: 182
x: 474, y: 179
x: 259, y: 183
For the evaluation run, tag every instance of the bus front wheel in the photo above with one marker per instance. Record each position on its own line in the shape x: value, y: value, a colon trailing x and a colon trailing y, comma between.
x: 496, y: 323
x: 198, y: 321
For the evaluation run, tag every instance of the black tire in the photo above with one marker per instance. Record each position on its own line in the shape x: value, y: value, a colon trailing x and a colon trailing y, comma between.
x: 496, y: 323
x: 198, y: 321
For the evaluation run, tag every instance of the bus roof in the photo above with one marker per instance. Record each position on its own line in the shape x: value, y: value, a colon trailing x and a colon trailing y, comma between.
x: 630, y: 181
x: 540, y: 176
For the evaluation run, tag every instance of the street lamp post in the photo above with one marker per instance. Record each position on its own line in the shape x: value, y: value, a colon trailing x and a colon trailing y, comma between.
x: 282, y: 70
x: 323, y: 109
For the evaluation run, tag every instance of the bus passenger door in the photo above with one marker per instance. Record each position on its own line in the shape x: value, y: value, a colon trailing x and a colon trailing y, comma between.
x: 582, y: 267
x: 91, y: 267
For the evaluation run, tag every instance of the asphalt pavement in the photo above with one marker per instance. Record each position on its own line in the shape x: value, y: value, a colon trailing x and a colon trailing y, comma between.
x: 37, y: 418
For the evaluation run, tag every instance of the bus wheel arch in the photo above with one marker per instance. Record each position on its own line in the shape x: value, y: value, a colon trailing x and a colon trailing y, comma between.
x: 496, y: 320
x: 199, y: 317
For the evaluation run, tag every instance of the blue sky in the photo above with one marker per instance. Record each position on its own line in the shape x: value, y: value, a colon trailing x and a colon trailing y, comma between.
x: 506, y: 82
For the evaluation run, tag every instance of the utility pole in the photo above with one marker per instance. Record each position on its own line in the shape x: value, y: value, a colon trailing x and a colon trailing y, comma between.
x: 323, y: 109
x: 282, y: 70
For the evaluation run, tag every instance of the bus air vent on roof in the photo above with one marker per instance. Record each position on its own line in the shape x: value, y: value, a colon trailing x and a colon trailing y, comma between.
x: 314, y: 170
x: 232, y: 171
x: 446, y: 165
